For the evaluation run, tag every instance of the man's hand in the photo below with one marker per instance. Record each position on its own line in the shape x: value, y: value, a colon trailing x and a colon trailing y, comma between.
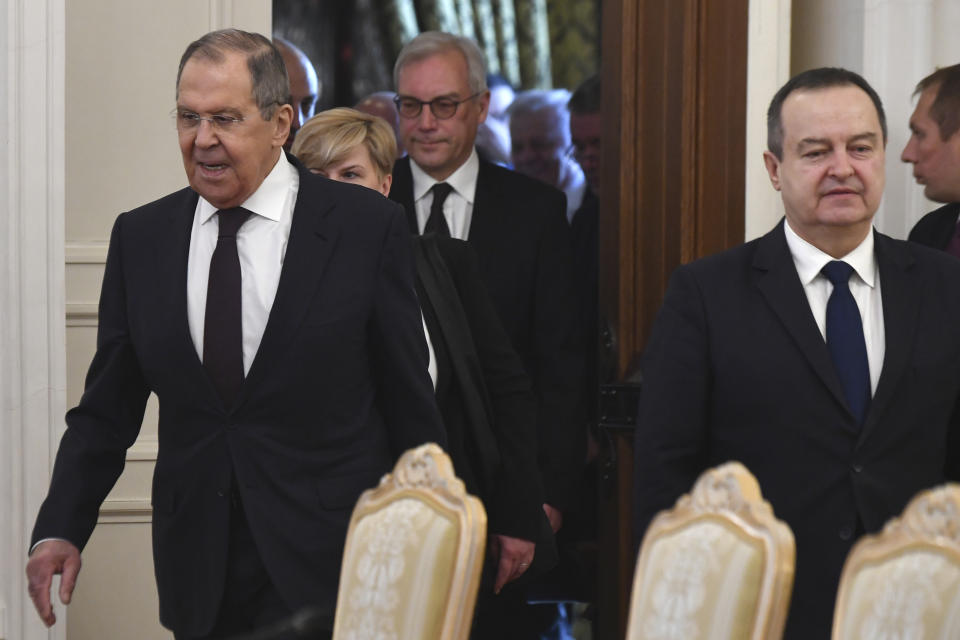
x: 554, y: 515
x: 50, y: 557
x: 515, y: 556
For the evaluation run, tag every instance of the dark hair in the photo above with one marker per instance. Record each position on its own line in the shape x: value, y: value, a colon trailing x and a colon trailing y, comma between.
x: 268, y: 75
x: 945, y: 110
x: 586, y: 97
x: 822, y: 78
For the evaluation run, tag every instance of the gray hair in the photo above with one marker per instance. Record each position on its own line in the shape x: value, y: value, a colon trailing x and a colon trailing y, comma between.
x: 430, y: 43
x: 541, y: 102
x: 268, y: 75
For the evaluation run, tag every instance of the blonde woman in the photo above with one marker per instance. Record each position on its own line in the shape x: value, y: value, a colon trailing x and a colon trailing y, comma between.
x: 482, y: 391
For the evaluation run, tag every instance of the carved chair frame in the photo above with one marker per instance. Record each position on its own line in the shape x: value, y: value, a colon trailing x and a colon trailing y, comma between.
x: 426, y: 474
x: 730, y: 494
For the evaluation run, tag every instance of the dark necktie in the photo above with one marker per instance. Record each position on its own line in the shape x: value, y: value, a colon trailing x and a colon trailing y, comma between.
x: 953, y: 247
x: 845, y: 339
x: 436, y: 223
x: 222, y: 327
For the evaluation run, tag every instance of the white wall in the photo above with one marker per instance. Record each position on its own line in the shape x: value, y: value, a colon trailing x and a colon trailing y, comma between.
x: 768, y: 67
x: 31, y: 287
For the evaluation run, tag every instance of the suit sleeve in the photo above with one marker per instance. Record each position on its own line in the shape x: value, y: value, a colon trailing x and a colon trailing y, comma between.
x: 516, y: 506
x: 558, y: 361
x: 670, y: 446
x: 104, y: 424
x: 399, y: 347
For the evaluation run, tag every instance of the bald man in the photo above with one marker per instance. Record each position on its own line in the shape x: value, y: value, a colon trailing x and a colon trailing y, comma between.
x: 380, y: 104
x: 304, y: 86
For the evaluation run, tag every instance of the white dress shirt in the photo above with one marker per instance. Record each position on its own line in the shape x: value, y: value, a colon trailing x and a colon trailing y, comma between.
x: 458, y: 207
x: 864, y: 286
x: 261, y: 245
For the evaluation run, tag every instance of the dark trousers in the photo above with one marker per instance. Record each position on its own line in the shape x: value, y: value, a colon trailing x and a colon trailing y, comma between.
x: 251, y: 604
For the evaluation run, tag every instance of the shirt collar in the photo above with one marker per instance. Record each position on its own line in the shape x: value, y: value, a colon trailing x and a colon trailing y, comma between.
x: 463, y: 180
x: 809, y: 260
x: 269, y: 198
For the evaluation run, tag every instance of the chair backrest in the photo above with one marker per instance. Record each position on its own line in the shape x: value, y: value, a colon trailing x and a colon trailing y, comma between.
x: 904, y: 582
x: 414, y: 554
x: 716, y: 566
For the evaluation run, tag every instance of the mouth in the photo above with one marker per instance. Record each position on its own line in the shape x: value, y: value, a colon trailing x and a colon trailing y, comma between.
x: 212, y: 169
x: 841, y: 192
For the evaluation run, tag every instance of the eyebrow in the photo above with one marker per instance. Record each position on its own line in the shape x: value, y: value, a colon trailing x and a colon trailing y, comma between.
x: 868, y: 136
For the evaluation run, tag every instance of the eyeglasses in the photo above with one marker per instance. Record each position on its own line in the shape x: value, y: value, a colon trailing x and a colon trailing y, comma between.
x: 221, y: 122
x: 442, y: 108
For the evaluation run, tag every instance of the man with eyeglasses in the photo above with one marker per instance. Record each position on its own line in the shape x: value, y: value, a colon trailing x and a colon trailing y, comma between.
x: 518, y: 229
x: 273, y: 314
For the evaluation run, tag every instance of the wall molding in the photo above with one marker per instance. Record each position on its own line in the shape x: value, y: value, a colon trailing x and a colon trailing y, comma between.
x: 85, y: 252
x: 125, y: 511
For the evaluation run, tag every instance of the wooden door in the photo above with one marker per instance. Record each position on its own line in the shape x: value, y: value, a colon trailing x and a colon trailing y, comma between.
x: 672, y: 190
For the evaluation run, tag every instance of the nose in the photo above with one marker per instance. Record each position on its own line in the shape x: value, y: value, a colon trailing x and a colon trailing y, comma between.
x: 909, y: 152
x: 206, y: 136
x: 841, y: 167
x: 427, y: 120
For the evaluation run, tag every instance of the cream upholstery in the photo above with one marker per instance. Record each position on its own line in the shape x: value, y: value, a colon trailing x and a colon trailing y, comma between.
x: 413, y: 556
x: 718, y: 566
x: 905, y: 581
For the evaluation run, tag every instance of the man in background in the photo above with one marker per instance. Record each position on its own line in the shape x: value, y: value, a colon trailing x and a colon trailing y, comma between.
x: 934, y: 152
x: 273, y: 314
x: 380, y: 104
x: 304, y: 86
x: 522, y: 241
x: 540, y: 143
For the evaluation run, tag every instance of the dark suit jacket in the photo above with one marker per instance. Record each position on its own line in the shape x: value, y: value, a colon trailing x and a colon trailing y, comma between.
x: 736, y: 369
x: 483, y: 393
x: 937, y: 227
x: 523, y: 243
x: 338, y: 389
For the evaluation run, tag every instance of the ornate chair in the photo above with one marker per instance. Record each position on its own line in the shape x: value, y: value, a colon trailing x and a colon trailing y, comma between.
x: 413, y: 556
x: 905, y: 581
x: 718, y: 565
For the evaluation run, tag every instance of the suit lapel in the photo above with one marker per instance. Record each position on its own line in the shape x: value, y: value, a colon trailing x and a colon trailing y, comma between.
x: 900, y: 295
x: 172, y: 251
x: 776, y: 277
x: 401, y: 191
x: 487, y: 223
x: 311, y: 243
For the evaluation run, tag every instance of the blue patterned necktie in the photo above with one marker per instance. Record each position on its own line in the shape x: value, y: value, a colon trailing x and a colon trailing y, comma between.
x: 845, y: 340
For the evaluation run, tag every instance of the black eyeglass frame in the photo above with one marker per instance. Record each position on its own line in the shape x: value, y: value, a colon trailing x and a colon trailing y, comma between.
x: 397, y: 100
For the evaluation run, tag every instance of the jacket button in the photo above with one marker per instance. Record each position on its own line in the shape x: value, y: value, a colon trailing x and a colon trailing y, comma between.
x: 846, y: 532
x: 857, y: 468
x: 221, y: 493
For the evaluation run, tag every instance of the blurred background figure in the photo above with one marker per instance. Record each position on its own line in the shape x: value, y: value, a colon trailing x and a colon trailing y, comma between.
x: 304, y: 86
x: 380, y: 104
x: 493, y: 135
x: 585, y: 129
x: 540, y: 143
x: 484, y: 395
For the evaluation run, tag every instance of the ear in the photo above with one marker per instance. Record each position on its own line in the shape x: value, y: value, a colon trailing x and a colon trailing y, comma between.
x: 484, y: 103
x: 385, y: 184
x: 773, y: 168
x: 284, y: 116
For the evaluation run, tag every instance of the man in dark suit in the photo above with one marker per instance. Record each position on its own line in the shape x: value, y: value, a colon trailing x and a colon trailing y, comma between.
x: 515, y: 224
x: 934, y: 152
x: 841, y: 398
x: 288, y: 358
